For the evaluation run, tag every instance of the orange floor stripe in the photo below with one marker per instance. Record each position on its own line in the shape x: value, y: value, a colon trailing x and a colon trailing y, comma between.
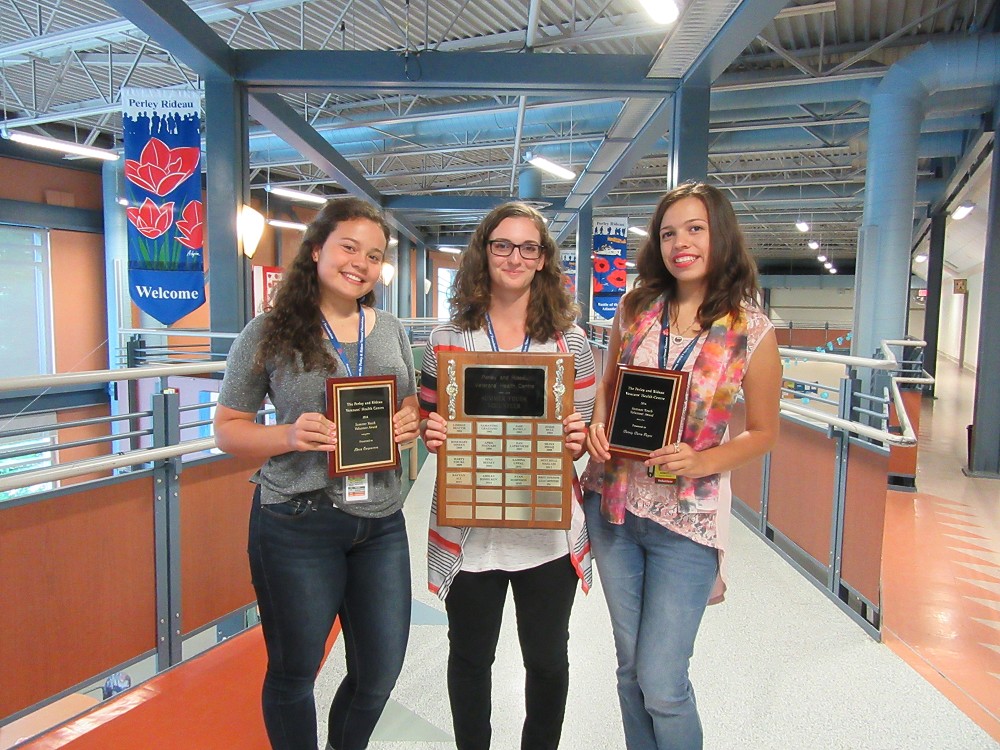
x: 211, y: 702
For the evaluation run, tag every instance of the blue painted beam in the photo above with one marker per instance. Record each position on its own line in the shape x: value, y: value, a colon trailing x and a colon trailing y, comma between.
x: 486, y: 73
x: 177, y: 28
x: 26, y: 214
x: 452, y: 203
x: 276, y: 114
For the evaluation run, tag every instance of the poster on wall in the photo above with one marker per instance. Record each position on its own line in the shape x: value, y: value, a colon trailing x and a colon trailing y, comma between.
x: 568, y: 259
x: 610, y: 249
x: 265, y: 286
x: 166, y: 217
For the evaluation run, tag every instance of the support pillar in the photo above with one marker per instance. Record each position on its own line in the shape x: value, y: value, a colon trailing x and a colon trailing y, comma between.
x: 420, y: 252
x: 932, y: 305
x: 689, y: 134
x: 584, y: 263
x: 404, y: 279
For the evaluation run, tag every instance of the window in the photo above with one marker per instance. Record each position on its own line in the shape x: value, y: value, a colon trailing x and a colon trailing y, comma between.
x: 25, y: 303
x: 445, y: 281
x: 31, y: 451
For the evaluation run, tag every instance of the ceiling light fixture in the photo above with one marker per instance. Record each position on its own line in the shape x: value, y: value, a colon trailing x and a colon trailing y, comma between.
x: 388, y: 273
x: 828, y: 265
x: 54, y: 144
x: 296, y: 195
x: 551, y: 167
x: 920, y: 257
x: 451, y: 250
x: 813, y: 245
x: 250, y: 225
x: 282, y: 224
x: 639, y: 231
x: 821, y: 258
x: 802, y: 226
x: 833, y: 270
x: 393, y: 241
x: 964, y: 209
x: 661, y: 11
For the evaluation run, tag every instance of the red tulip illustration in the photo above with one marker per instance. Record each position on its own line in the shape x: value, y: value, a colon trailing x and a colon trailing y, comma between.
x: 617, y: 278
x: 160, y: 168
x: 192, y: 226
x: 151, y: 220
x: 601, y: 265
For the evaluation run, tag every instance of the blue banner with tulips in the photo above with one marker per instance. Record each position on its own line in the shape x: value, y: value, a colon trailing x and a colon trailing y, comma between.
x: 610, y: 250
x: 166, y: 217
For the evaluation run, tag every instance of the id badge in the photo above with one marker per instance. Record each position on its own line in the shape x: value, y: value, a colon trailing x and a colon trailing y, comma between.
x: 661, y: 475
x: 356, y: 489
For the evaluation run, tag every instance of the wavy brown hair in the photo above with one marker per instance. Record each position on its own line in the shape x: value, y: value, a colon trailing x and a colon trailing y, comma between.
x: 732, y: 274
x: 551, y: 310
x: 292, y: 325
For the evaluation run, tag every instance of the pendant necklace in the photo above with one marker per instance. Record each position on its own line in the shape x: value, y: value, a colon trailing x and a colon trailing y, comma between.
x: 679, y: 337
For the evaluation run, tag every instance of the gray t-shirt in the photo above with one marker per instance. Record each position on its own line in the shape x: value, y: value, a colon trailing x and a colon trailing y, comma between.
x: 293, y: 393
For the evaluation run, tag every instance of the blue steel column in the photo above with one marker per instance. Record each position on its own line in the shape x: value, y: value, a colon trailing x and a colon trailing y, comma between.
x: 226, y: 154
x: 985, y: 459
x: 420, y: 250
x: 932, y: 304
x: 403, y: 278
x: 689, y: 134
x: 584, y: 263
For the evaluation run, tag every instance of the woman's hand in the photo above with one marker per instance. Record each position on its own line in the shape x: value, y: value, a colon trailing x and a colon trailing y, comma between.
x: 312, y: 432
x: 406, y: 422
x: 576, y: 434
x: 682, y: 460
x: 597, y: 442
x: 435, y: 432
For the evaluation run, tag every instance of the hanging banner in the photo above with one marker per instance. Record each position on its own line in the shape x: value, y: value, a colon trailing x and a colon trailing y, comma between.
x: 568, y: 258
x: 166, y: 218
x: 610, y: 250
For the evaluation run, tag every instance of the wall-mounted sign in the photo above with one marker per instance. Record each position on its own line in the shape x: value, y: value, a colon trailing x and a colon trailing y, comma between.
x: 961, y: 286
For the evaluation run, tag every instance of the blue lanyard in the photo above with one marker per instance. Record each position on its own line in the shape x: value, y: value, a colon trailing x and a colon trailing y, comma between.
x: 339, y: 348
x: 493, y: 337
x: 665, y: 345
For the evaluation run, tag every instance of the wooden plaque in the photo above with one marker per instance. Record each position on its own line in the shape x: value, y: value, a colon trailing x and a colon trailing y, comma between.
x: 362, y: 409
x: 505, y: 462
x: 647, y: 410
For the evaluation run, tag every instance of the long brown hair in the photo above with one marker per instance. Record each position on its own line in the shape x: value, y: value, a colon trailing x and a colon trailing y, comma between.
x: 551, y: 310
x: 731, y: 281
x: 293, y: 325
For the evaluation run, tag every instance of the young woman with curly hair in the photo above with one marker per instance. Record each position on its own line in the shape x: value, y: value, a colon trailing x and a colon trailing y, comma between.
x: 316, y: 550
x: 659, y: 545
x: 510, y: 296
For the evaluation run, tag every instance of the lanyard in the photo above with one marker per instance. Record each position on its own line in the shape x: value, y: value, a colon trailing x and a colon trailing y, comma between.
x: 493, y: 337
x: 665, y: 345
x: 339, y: 348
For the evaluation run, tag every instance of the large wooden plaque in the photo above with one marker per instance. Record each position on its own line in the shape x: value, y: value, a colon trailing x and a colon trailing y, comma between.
x: 505, y: 462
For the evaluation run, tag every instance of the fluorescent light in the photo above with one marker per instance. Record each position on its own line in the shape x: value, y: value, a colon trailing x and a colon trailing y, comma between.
x: 66, y: 147
x: 813, y: 245
x: 964, y: 209
x: 661, y: 11
x: 802, y: 226
x: 282, y: 224
x: 833, y: 270
x: 296, y: 195
x: 920, y: 257
x: 639, y: 231
x: 821, y: 258
x: 552, y: 168
x: 828, y: 265
x: 452, y: 250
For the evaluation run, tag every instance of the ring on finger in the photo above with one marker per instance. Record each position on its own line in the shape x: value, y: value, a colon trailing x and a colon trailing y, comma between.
x: 677, y: 447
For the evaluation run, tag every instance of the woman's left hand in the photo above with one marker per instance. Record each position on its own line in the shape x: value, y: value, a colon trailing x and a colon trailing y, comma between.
x: 406, y: 423
x: 576, y: 434
x: 682, y: 460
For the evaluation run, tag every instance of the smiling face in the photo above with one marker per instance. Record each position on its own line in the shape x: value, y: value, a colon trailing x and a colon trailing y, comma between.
x: 514, y: 273
x: 350, y: 260
x: 685, y: 241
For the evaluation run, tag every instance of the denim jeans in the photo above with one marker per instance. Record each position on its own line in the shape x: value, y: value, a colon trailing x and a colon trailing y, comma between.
x: 657, y: 585
x: 543, y: 598
x: 311, y: 562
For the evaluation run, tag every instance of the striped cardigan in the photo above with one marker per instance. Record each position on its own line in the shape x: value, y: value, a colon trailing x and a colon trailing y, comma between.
x: 444, y: 544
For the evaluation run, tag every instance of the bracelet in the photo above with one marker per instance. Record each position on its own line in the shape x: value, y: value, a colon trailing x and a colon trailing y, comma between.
x: 597, y: 424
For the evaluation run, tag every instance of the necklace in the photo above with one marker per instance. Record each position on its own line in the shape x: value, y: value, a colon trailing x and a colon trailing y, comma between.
x: 678, y: 337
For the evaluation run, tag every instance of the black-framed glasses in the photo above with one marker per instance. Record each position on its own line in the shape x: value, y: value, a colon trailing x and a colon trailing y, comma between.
x: 503, y: 248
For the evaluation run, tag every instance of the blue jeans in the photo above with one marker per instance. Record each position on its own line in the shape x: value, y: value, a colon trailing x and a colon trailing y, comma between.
x: 657, y: 584
x: 311, y: 562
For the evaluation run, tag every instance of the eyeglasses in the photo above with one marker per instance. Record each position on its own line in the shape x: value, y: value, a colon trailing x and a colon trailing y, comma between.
x: 503, y: 248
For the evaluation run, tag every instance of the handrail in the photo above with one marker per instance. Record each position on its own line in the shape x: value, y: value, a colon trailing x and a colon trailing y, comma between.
x: 108, y: 376
x: 91, y: 465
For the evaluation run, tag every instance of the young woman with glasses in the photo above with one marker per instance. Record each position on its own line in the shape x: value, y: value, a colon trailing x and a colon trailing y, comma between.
x: 316, y: 550
x: 658, y: 544
x: 509, y: 296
